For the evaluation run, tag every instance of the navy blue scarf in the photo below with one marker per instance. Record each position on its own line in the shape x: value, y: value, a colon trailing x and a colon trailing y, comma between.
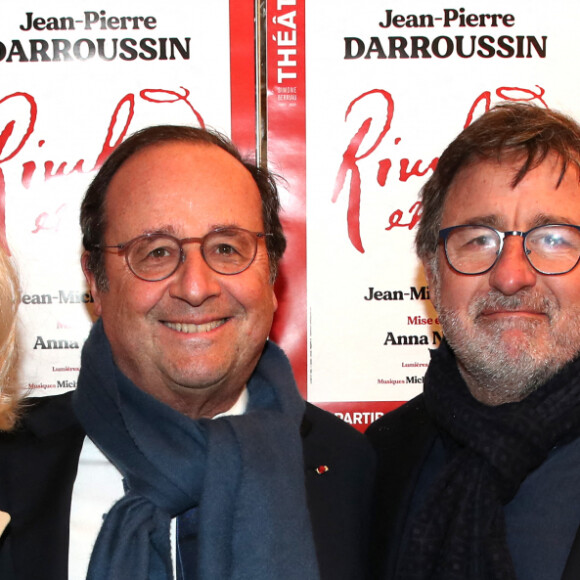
x: 459, y: 532
x: 245, y: 473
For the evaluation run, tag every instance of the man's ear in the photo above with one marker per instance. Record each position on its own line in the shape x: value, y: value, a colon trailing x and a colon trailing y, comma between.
x: 92, y: 282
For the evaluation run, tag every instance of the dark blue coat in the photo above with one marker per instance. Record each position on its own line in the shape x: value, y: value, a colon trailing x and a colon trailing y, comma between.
x: 38, y: 465
x: 403, y: 439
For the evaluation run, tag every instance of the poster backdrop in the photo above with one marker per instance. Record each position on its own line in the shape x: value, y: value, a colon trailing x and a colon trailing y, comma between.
x: 361, y: 99
x: 388, y: 86
x: 76, y: 79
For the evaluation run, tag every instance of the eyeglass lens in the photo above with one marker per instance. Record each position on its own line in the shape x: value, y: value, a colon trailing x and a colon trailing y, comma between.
x: 552, y: 249
x: 156, y: 257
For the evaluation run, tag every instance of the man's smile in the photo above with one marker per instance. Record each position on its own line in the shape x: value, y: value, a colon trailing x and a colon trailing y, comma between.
x: 195, y: 328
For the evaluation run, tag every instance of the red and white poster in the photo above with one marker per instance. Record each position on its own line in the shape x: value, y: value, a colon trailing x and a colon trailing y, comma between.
x: 387, y: 87
x: 361, y: 99
x: 76, y: 80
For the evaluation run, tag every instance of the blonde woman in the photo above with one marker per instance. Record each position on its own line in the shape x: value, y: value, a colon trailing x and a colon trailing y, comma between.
x: 9, y: 300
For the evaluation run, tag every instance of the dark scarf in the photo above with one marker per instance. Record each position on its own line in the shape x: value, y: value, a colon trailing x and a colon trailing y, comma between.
x: 459, y: 532
x: 245, y: 472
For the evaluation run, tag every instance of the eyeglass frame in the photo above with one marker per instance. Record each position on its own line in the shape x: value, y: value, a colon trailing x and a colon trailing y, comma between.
x: 124, y: 248
x: 444, y: 234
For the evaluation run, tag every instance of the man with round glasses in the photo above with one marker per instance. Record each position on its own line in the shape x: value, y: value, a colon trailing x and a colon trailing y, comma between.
x: 478, y: 475
x: 199, y: 446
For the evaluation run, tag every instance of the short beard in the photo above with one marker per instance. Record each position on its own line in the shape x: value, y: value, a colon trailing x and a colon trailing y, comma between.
x: 497, y: 373
x: 497, y: 370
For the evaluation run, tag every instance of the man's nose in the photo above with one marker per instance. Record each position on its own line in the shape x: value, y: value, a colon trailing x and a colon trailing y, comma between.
x: 512, y: 272
x: 194, y: 281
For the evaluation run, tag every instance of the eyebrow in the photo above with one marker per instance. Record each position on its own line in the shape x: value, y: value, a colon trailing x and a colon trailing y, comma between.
x: 491, y: 220
x: 543, y: 219
x: 498, y: 222
x: 168, y: 229
x: 171, y: 230
x: 224, y: 225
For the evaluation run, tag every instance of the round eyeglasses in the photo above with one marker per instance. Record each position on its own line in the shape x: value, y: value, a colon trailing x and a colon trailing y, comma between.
x: 154, y: 257
x: 550, y: 249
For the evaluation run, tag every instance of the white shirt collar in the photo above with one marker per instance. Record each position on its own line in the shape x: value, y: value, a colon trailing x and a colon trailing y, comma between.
x: 239, y: 407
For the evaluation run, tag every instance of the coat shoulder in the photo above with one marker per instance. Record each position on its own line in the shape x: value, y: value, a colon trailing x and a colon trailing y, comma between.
x: 411, y: 415
x: 46, y: 416
x: 401, y: 439
x: 330, y: 431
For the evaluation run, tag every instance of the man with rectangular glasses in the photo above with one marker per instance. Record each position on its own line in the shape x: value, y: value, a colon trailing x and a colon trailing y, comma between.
x: 478, y: 476
x: 186, y: 427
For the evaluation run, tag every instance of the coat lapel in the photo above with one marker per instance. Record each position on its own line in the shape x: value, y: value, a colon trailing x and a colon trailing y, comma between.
x: 402, y: 440
x: 339, y: 470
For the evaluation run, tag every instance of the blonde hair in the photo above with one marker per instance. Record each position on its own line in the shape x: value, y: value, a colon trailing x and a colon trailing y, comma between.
x: 9, y: 300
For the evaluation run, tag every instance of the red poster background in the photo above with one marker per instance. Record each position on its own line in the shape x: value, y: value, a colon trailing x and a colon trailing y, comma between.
x: 243, y: 76
x: 286, y: 123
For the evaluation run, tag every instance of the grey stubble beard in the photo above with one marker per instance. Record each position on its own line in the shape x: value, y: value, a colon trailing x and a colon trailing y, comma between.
x: 496, y: 370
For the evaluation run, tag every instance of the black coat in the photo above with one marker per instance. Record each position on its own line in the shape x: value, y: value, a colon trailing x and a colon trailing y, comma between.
x: 38, y: 466
x: 403, y: 439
